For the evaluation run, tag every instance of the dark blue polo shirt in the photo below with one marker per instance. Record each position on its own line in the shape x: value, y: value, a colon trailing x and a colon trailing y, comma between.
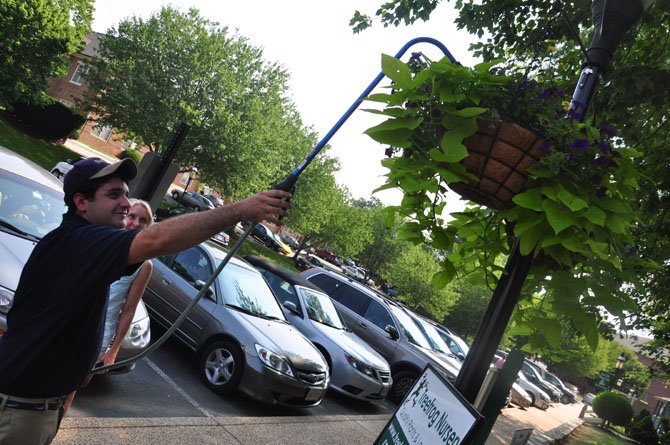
x: 54, y: 327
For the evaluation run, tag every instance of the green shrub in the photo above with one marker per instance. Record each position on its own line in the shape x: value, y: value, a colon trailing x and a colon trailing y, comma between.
x: 52, y: 121
x: 613, y: 407
x: 642, y: 429
x: 135, y: 155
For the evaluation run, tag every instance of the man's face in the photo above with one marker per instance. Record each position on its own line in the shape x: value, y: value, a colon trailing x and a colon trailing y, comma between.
x: 109, y: 206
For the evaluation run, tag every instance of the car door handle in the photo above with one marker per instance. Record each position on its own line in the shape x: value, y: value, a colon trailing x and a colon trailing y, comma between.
x: 363, y: 325
x: 167, y: 282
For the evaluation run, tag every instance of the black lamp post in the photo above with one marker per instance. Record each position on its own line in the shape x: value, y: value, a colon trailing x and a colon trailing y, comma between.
x: 620, y: 361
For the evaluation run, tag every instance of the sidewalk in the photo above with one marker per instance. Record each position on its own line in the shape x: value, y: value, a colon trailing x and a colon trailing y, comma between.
x: 86, y: 151
x: 548, y: 426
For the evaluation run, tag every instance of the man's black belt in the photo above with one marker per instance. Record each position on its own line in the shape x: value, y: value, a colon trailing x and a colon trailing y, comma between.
x: 50, y: 404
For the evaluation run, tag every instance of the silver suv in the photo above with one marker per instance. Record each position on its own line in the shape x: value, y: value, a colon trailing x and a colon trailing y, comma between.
x: 385, y: 326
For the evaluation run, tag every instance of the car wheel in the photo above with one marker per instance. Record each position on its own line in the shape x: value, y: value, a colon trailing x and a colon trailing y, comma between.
x: 175, y: 195
x: 196, y: 208
x: 57, y: 173
x: 402, y: 383
x: 221, y: 366
x: 532, y: 398
x: 564, y: 399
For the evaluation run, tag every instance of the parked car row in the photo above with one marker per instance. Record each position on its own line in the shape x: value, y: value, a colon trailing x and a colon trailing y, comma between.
x: 279, y: 337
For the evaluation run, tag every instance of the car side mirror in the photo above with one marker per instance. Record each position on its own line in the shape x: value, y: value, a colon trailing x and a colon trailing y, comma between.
x: 209, y: 293
x: 460, y: 356
x: 292, y: 307
x: 393, y: 332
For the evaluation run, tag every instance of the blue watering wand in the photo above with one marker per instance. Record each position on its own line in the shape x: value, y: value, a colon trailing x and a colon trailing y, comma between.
x: 287, y: 184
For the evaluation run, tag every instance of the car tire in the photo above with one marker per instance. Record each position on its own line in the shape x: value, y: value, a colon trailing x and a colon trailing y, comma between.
x: 175, y: 195
x: 57, y: 173
x: 532, y: 399
x: 196, y: 208
x: 402, y: 383
x: 220, y: 366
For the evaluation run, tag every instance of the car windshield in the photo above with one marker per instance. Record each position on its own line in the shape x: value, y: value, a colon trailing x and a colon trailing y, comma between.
x: 320, y: 308
x: 246, y: 290
x: 434, y: 337
x: 411, y: 330
x: 28, y: 206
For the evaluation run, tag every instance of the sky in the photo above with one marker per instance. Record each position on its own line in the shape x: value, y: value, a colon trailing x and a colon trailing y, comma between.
x: 329, y: 65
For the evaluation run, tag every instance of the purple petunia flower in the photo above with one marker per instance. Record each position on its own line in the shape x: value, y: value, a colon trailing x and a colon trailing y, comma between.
x: 388, y: 152
x: 553, y: 91
x: 608, y: 130
x: 596, y: 179
x: 603, y: 146
x: 573, y: 114
x: 600, y: 193
x: 602, y: 161
x: 580, y: 144
x: 616, y: 154
x: 545, y: 148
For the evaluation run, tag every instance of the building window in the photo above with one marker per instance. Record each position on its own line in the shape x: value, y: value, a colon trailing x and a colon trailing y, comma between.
x: 184, y: 178
x: 79, y: 74
x: 102, y: 132
x: 128, y: 144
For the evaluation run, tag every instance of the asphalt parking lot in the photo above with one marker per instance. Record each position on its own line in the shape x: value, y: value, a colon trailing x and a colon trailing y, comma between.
x: 166, y: 384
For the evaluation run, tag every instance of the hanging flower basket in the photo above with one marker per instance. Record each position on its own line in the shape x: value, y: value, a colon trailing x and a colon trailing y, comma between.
x: 499, y: 156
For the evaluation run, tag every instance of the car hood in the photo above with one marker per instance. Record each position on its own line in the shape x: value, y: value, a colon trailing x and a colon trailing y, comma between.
x: 14, y: 251
x: 283, y: 339
x: 353, y: 345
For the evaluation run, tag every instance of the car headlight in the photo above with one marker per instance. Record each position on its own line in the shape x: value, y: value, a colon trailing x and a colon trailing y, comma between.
x: 138, y: 334
x: 273, y: 360
x: 6, y: 299
x: 360, y: 366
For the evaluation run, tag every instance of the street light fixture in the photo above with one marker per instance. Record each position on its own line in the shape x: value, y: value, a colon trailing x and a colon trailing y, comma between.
x: 620, y: 361
x: 193, y: 170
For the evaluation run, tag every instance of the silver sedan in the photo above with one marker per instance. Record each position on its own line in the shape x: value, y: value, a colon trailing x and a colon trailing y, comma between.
x: 357, y: 370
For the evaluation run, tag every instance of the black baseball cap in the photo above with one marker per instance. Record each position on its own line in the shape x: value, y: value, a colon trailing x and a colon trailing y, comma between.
x: 95, y: 168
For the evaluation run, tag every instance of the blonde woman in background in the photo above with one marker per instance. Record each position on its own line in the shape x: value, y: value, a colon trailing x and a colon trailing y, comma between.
x: 126, y: 293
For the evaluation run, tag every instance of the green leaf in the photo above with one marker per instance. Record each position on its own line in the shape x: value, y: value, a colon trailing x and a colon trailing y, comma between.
x: 396, y: 138
x: 558, y: 217
x: 600, y: 249
x: 615, y: 224
x: 571, y: 201
x: 613, y: 205
x: 469, y: 112
x: 531, y: 199
x: 595, y: 215
x: 452, y: 145
x: 444, y: 276
x: 530, y: 238
x: 397, y: 71
x: 552, y: 330
x: 528, y: 223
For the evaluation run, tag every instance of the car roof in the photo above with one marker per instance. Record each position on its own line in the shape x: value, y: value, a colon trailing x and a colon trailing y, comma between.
x: 355, y: 284
x: 280, y: 271
x: 26, y: 168
x: 220, y: 254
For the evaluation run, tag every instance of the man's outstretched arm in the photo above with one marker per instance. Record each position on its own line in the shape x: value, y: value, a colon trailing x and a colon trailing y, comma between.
x: 181, y: 232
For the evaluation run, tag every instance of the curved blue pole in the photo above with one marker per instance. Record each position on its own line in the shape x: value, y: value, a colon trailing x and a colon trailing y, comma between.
x: 288, y: 183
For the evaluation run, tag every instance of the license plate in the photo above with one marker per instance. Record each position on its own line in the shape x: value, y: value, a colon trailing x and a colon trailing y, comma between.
x: 313, y: 394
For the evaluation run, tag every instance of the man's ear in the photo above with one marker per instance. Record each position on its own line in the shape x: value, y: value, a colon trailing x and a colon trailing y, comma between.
x: 80, y: 202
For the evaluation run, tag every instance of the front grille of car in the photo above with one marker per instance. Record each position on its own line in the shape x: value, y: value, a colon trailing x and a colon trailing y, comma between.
x: 384, y: 376
x: 313, y: 378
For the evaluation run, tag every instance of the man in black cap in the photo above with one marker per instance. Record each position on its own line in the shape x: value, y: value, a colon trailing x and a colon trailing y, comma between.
x: 55, y: 324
